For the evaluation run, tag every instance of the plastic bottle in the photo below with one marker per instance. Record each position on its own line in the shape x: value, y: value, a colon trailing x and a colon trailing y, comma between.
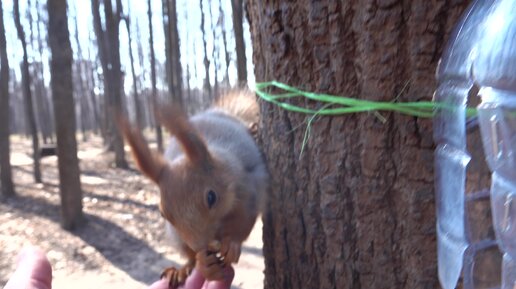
x: 451, y: 157
x: 494, y: 70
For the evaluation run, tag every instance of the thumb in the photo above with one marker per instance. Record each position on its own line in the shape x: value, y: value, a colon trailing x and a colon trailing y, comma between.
x: 229, y: 274
x: 33, y: 271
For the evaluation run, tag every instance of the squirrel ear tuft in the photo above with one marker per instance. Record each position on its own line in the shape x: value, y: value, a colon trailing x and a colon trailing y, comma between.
x: 150, y: 163
x: 176, y: 122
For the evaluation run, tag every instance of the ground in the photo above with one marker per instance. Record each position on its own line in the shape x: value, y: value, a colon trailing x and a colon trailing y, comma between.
x: 122, y: 243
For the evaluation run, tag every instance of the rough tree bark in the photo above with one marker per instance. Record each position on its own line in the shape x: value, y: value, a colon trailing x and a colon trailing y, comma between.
x: 173, y: 59
x: 356, y: 210
x: 238, y: 27
x: 6, y: 180
x: 154, y: 96
x: 62, y: 92
x: 109, y: 51
x: 27, y: 94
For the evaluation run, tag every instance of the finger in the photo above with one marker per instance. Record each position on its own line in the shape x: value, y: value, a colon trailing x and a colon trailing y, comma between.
x: 225, y: 283
x: 161, y: 284
x: 214, y: 272
x: 33, y: 271
x: 194, y: 281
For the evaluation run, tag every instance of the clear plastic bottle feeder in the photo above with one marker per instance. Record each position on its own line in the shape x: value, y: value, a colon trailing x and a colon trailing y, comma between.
x: 481, y: 56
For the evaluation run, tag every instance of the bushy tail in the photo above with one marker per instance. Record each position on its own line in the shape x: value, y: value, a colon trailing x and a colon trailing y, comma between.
x: 241, y: 104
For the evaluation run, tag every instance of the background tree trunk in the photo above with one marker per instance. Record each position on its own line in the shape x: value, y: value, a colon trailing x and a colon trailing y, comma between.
x: 207, y: 85
x: 356, y: 210
x: 47, y: 127
x: 154, y: 96
x: 27, y: 94
x: 137, y: 106
x: 62, y: 91
x: 173, y: 57
x: 238, y: 28
x: 109, y: 52
x: 6, y: 180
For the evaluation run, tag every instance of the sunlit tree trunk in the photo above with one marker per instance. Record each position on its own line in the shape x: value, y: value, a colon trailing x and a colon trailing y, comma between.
x: 6, y: 181
x: 27, y: 94
x: 62, y: 92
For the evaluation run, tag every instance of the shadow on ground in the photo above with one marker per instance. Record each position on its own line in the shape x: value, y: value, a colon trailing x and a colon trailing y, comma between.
x: 109, y: 239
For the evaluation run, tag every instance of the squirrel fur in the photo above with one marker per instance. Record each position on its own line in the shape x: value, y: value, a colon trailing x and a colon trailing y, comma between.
x: 212, y: 179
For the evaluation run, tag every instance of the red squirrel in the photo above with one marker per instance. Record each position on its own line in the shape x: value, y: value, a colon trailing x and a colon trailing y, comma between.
x: 212, y: 181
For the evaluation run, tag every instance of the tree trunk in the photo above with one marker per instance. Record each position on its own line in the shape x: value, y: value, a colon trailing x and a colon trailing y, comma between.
x: 207, y: 85
x: 6, y: 180
x: 92, y: 68
x: 80, y: 91
x: 174, y: 78
x: 214, y: 52
x: 109, y: 52
x: 238, y: 27
x: 62, y: 91
x: 27, y: 94
x: 356, y: 209
x: 137, y: 106
x: 47, y: 128
x: 159, y: 134
x: 222, y: 23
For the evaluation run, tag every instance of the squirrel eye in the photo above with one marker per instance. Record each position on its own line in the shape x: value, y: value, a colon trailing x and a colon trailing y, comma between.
x: 211, y: 198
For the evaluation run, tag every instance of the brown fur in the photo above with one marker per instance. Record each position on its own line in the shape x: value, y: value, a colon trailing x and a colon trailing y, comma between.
x: 211, y: 151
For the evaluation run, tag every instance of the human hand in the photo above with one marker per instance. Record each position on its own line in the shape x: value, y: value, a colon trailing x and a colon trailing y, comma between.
x: 197, y: 281
x: 34, y: 272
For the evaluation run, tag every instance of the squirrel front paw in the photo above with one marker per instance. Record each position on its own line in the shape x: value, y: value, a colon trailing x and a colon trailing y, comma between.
x: 230, y: 251
x: 210, y: 265
x: 176, y: 276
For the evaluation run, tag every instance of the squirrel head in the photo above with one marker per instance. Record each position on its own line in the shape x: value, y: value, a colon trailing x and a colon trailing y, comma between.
x: 197, y: 189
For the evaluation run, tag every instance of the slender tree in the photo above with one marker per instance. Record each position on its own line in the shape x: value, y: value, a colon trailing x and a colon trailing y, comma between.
x: 214, y: 52
x: 207, y: 84
x: 47, y: 125
x: 222, y: 24
x: 136, y: 97
x: 238, y: 27
x: 6, y: 181
x: 173, y: 59
x: 154, y: 96
x: 27, y: 94
x: 62, y: 92
x: 109, y: 52
x: 92, y: 68
x: 81, y: 91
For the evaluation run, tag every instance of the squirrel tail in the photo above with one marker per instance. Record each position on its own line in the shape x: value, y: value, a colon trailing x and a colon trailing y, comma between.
x: 241, y: 104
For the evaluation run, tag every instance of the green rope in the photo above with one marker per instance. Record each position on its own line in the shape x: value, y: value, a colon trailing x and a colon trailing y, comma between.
x: 345, y: 105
